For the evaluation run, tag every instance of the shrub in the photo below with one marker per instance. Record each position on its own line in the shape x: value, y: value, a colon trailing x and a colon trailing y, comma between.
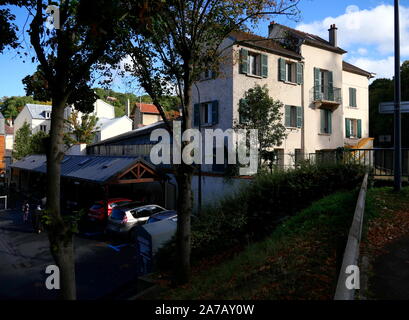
x: 258, y: 208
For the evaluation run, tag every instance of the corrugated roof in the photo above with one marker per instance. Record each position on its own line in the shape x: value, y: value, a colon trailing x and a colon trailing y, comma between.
x: 354, y: 69
x: 97, y: 169
x: 37, y: 111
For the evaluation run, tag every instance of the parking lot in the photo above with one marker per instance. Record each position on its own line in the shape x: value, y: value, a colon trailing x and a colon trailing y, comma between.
x: 104, y: 264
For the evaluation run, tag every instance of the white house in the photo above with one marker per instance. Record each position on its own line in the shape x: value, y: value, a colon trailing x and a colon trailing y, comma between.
x: 108, y: 128
x: 38, y: 116
x: 325, y: 99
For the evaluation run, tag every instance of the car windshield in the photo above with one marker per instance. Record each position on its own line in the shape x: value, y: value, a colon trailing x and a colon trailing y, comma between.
x: 117, y: 214
x: 120, y: 203
x: 152, y: 220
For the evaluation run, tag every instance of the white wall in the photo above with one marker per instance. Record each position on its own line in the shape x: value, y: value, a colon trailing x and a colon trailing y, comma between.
x: 103, y: 110
x: 23, y: 116
x: 122, y: 125
x: 9, y: 141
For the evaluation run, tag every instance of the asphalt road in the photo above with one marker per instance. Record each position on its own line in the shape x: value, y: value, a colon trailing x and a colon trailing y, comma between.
x: 103, y: 265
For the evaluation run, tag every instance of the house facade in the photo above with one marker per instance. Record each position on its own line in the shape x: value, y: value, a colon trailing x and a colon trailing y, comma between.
x: 144, y: 114
x: 325, y: 99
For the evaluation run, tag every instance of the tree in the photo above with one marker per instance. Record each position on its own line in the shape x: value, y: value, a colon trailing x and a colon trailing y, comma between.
x: 26, y: 143
x: 182, y: 42
x: 80, y: 129
x: 12, y: 106
x: 259, y: 111
x: 21, y: 148
x: 86, y: 40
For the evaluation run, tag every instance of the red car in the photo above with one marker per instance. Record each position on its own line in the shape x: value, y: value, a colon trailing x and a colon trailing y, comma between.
x: 98, y: 211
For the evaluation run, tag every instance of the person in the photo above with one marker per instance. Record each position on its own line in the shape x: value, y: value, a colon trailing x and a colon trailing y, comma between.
x: 26, y: 210
x: 36, y: 219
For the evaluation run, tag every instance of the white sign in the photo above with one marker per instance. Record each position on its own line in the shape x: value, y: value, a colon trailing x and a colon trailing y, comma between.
x: 389, y: 107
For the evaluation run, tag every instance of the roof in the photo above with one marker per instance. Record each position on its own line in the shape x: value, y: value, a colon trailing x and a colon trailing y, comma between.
x: 9, y: 130
x: 255, y: 41
x: 97, y: 169
x: 147, y: 108
x: 146, y: 130
x: 37, y: 111
x: 354, y: 69
x: 104, y: 123
x: 312, y: 39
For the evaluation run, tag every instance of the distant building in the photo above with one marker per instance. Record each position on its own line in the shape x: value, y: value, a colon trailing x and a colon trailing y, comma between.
x: 108, y: 128
x: 144, y: 114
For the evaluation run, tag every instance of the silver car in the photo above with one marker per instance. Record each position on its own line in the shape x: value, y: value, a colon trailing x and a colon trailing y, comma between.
x: 124, y: 219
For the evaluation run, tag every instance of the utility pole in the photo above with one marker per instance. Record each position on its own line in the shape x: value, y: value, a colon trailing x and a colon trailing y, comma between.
x: 397, y: 115
x: 199, y: 209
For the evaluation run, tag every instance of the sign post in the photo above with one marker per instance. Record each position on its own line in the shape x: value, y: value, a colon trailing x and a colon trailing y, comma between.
x: 397, y: 116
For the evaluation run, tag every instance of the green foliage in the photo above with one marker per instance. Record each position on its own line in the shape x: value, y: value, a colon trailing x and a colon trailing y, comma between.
x: 257, y: 209
x: 80, y: 129
x: 26, y: 143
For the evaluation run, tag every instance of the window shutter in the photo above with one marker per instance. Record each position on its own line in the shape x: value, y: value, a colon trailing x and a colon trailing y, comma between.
x: 300, y: 73
x: 287, y: 116
x: 196, y: 115
x: 317, y: 84
x: 215, y: 112
x: 281, y: 69
x: 299, y: 117
x: 322, y: 111
x: 359, y: 124
x: 347, y: 128
x: 329, y: 115
x: 354, y: 96
x: 264, y: 65
x: 351, y: 98
x: 244, y: 64
x: 330, y: 86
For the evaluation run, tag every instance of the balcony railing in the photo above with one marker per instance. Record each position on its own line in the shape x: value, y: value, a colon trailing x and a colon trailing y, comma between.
x: 323, y: 95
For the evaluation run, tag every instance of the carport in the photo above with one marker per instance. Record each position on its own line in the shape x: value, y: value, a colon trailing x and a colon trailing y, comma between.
x: 87, y: 175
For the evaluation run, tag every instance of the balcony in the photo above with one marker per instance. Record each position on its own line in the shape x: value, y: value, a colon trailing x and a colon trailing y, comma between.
x: 326, y: 97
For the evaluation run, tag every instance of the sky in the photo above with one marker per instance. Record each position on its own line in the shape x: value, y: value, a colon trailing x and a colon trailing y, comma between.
x: 365, y: 30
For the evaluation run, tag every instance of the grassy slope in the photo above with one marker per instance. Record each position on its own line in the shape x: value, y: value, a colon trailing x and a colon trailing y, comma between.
x: 298, y: 261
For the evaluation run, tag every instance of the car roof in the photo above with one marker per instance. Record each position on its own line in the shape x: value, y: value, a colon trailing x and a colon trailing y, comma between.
x: 165, y: 214
x: 134, y: 205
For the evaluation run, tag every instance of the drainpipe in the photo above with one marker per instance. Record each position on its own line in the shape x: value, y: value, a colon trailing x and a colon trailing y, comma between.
x: 303, y: 115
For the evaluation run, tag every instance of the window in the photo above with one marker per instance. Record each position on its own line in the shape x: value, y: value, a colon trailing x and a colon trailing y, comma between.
x: 353, y: 128
x: 252, y: 63
x: 298, y: 156
x: 47, y: 114
x: 207, y: 113
x: 323, y: 85
x: 352, y: 97
x: 290, y: 71
x: 43, y: 128
x: 326, y: 121
x: 207, y: 75
x: 293, y: 117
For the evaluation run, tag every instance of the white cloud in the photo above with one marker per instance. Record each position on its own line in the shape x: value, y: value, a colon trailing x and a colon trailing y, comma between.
x: 363, y: 51
x: 384, y: 68
x: 368, y: 27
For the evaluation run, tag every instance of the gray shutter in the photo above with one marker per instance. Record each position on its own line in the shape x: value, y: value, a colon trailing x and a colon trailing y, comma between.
x: 196, y: 115
x: 215, y: 112
x: 264, y: 65
x: 347, y: 128
x: 244, y: 64
x: 351, y: 99
x: 287, y: 122
x: 322, y: 113
x: 354, y: 95
x: 329, y: 115
x: 300, y: 73
x: 299, y: 117
x: 330, y: 86
x: 281, y: 69
x: 359, y: 124
x: 317, y: 84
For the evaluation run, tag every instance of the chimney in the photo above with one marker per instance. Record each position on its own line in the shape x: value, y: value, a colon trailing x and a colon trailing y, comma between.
x: 271, y: 28
x: 333, y: 35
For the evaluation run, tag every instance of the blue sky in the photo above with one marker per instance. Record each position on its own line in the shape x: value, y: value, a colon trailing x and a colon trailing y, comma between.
x: 365, y: 31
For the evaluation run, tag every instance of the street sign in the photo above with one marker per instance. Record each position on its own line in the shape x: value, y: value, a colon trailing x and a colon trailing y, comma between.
x: 389, y: 107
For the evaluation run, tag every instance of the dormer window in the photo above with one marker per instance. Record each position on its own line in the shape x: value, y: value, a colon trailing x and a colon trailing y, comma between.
x: 47, y: 114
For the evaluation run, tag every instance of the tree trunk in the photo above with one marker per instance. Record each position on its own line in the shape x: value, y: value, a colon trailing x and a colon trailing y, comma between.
x: 59, y: 233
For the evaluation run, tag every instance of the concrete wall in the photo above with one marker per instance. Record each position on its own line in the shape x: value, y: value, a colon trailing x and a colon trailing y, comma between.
x: 122, y: 125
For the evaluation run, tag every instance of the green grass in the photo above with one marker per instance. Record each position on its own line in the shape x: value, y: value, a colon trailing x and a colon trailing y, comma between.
x: 297, y: 261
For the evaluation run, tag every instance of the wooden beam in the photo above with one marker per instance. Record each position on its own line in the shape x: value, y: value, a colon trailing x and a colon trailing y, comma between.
x: 134, y: 181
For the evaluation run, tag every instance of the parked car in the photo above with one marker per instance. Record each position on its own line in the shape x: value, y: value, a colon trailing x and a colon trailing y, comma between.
x: 125, y: 219
x: 164, y: 215
x: 98, y: 211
